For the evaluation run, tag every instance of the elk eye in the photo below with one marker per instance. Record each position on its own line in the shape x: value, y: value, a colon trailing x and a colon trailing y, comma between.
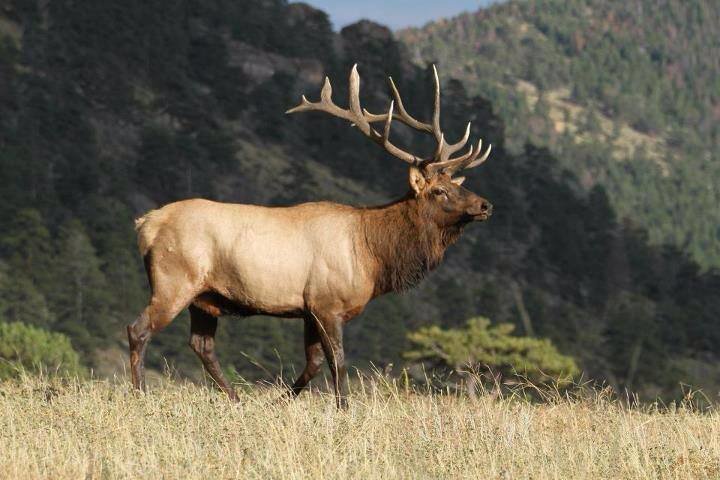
x: 439, y: 191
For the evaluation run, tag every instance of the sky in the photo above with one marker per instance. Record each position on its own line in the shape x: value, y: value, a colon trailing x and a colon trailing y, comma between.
x: 394, y: 13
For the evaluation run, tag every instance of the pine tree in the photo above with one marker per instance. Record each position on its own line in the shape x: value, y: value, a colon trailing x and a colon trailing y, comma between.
x: 24, y: 277
x: 478, y: 345
x: 27, y: 248
x: 632, y: 339
x: 81, y: 296
x: 23, y: 347
x: 20, y: 301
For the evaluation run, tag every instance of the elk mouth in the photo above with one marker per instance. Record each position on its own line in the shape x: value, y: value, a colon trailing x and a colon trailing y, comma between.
x: 481, y: 214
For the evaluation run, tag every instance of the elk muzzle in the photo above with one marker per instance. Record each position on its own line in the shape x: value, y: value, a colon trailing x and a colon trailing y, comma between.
x: 480, y: 210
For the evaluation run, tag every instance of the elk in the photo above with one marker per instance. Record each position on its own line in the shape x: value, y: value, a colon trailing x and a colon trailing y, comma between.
x: 319, y: 261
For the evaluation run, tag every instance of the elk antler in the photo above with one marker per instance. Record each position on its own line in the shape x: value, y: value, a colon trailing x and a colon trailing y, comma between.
x: 358, y: 116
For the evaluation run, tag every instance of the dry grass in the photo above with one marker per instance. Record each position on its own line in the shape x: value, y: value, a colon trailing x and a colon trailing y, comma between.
x: 96, y: 429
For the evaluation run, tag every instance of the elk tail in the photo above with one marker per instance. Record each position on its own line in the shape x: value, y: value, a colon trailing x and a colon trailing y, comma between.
x: 147, y: 228
x: 139, y: 222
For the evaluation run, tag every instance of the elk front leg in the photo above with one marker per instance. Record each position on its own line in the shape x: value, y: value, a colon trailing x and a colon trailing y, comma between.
x: 313, y: 357
x: 202, y: 340
x: 331, y: 339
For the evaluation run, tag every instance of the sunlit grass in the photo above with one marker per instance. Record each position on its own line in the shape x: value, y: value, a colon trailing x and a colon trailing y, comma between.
x: 99, y: 429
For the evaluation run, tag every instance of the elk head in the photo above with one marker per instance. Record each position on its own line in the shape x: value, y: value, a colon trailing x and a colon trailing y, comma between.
x: 440, y: 197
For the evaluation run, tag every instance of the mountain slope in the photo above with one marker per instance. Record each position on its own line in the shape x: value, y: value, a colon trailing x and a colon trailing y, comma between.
x: 626, y: 93
x: 119, y: 107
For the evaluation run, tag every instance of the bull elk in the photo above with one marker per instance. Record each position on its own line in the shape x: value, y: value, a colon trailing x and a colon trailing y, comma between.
x: 319, y: 261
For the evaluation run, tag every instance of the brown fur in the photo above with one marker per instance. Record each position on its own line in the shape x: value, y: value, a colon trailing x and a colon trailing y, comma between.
x: 405, y: 242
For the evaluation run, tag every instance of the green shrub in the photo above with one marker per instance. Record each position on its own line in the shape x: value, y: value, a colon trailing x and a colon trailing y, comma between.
x: 24, y: 347
x: 480, y: 345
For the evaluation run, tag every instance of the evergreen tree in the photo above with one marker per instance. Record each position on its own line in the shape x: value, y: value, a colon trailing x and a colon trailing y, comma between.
x: 81, y: 295
x: 480, y: 345
x: 23, y: 347
x: 27, y: 248
x: 632, y: 335
x: 20, y: 300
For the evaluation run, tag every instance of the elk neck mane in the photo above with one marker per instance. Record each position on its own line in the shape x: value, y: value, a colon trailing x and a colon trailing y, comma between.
x: 404, y: 242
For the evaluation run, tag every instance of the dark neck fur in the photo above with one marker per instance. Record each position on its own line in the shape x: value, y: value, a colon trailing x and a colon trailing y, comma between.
x: 405, y: 243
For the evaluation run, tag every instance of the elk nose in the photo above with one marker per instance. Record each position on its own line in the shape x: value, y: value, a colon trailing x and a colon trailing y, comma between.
x: 480, y: 209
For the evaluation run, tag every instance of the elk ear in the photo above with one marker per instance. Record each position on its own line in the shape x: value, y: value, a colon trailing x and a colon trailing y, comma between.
x: 417, y: 180
x: 458, y: 181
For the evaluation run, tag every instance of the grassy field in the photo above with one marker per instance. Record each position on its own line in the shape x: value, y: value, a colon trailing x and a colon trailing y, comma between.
x: 97, y: 429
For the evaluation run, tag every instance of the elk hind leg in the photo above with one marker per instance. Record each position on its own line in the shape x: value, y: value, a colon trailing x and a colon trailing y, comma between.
x: 138, y: 334
x: 202, y: 340
x: 163, y: 308
x: 154, y: 318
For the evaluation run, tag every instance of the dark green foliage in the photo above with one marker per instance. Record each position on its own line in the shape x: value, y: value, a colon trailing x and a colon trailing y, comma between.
x: 380, y: 337
x: 480, y: 345
x: 295, y: 30
x: 80, y: 295
x: 27, y: 348
x: 634, y: 338
x: 26, y: 246
x: 22, y: 301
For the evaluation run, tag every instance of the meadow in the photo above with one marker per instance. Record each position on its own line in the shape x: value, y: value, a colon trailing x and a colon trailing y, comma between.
x: 70, y: 429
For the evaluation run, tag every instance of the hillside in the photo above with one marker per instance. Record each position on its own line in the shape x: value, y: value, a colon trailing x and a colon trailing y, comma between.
x: 116, y: 108
x: 625, y: 93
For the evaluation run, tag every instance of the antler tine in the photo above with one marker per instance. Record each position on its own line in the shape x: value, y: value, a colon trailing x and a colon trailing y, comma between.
x: 354, y: 102
x: 388, y: 121
x: 441, y: 146
x: 469, y: 160
x: 480, y: 160
x: 408, y: 119
x: 326, y: 92
x: 442, y: 161
x: 450, y: 149
x: 358, y: 114
x: 392, y: 149
x: 304, y: 105
x: 324, y: 105
x: 404, y: 116
x: 436, y: 107
x: 448, y: 165
x: 401, y: 113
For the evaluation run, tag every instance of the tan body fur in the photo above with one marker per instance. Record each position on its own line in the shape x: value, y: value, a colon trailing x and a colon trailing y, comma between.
x: 275, y: 260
